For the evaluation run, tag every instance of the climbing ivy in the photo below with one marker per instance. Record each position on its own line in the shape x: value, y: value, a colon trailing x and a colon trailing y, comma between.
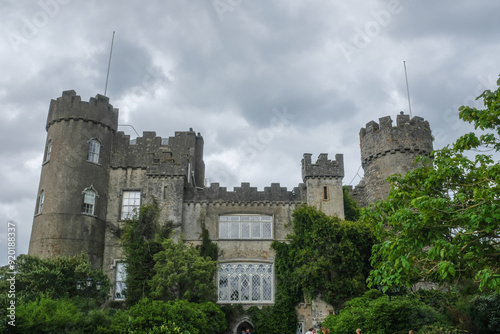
x: 351, y: 208
x: 141, y: 238
x: 325, y: 256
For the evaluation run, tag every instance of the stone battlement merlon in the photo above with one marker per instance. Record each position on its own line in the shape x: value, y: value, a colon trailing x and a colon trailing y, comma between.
x: 410, y: 137
x: 245, y: 193
x: 71, y: 107
x: 385, y: 123
x: 323, y: 166
x: 182, y: 154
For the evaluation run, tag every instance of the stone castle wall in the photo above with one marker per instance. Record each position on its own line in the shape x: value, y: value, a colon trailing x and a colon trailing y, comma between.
x: 388, y: 150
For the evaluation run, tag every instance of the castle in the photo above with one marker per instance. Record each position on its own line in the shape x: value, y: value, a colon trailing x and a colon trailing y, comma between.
x: 93, y: 177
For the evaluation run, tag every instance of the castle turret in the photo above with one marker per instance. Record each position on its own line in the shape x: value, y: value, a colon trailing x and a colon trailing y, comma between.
x: 72, y: 196
x: 323, y: 182
x: 388, y: 150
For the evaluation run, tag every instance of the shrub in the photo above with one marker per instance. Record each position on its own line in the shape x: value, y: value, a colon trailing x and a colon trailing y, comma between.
x: 380, y: 315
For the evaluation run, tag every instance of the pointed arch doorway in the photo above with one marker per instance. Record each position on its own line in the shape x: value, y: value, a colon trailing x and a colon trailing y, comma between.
x: 243, y: 326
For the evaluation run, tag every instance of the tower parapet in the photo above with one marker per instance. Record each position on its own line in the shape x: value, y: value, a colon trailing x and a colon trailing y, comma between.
x: 70, y: 107
x: 388, y: 150
x: 323, y: 167
x: 323, y: 182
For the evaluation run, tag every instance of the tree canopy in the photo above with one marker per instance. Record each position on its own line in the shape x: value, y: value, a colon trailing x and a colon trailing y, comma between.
x: 182, y: 273
x: 441, y: 221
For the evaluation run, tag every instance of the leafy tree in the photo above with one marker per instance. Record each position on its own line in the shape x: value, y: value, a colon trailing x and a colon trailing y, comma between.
x: 155, y: 316
x: 351, y: 208
x: 48, y: 315
x: 326, y: 256
x: 377, y: 314
x: 440, y: 221
x: 53, y: 278
x: 484, y: 310
x: 141, y: 238
x: 180, y: 272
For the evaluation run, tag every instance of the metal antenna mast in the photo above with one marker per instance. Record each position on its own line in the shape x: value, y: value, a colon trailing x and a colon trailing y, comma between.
x: 407, y: 89
x: 109, y: 64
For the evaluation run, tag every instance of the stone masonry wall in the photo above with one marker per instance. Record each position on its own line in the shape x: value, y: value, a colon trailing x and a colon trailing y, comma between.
x: 387, y: 150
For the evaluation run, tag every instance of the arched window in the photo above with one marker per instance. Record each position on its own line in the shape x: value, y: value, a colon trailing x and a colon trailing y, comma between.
x: 41, y: 199
x: 89, y: 196
x: 48, y: 149
x: 94, y: 150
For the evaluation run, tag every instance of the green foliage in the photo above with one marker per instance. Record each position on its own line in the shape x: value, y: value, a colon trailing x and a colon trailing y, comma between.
x: 380, y: 316
x: 440, y: 221
x: 484, y: 310
x: 47, y: 315
x: 351, y: 208
x: 208, y: 248
x: 154, y: 316
x: 181, y: 273
x: 54, y: 278
x: 326, y: 256
x: 141, y: 238
x: 40, y: 283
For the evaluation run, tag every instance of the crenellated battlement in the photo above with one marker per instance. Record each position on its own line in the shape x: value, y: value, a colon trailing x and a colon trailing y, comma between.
x: 408, y: 136
x: 323, y: 166
x: 71, y: 107
x: 245, y: 193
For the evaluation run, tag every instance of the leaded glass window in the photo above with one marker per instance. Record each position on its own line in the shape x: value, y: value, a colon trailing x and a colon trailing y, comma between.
x: 245, y: 283
x: 245, y: 227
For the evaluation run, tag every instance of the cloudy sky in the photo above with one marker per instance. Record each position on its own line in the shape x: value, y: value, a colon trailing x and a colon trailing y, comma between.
x: 262, y: 81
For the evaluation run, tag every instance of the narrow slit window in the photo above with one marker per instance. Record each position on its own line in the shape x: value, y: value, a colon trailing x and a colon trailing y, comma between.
x: 120, y: 278
x: 325, y: 193
x: 48, y: 150
x: 41, y: 199
x: 94, y: 151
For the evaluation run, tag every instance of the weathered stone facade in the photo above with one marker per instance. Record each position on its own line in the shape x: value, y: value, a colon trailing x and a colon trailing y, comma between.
x: 93, y: 176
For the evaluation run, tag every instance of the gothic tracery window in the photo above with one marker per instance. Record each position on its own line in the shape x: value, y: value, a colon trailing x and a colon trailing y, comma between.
x: 245, y: 283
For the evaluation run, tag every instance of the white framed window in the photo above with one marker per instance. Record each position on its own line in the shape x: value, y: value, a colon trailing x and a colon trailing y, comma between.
x: 120, y: 278
x: 245, y: 227
x: 300, y: 327
x: 89, y: 200
x: 41, y: 199
x: 245, y: 283
x: 94, y: 151
x: 48, y: 150
x: 131, y: 202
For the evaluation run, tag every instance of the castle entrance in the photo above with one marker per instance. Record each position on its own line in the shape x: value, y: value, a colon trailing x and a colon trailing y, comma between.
x: 243, y: 327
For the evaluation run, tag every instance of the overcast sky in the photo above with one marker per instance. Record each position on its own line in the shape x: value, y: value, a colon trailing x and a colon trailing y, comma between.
x: 263, y: 81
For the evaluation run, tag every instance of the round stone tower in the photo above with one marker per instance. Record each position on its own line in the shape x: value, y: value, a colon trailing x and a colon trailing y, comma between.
x: 72, y: 195
x: 388, y: 150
